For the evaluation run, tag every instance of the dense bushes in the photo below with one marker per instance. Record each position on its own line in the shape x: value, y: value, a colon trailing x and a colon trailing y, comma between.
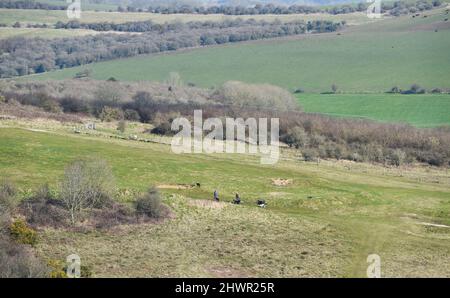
x: 258, y: 9
x: 262, y: 9
x: 43, y: 209
x: 150, y: 204
x: 19, y: 261
x: 263, y: 96
x: 352, y: 139
x: 29, y: 5
x: 27, y: 56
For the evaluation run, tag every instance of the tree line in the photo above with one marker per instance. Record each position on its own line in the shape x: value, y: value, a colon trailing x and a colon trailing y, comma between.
x: 9, y: 4
x: 264, y: 9
x: 394, y: 8
x: 21, y: 56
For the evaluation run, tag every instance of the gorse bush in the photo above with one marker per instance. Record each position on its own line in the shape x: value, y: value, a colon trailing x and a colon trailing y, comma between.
x: 23, y: 234
x: 150, y: 204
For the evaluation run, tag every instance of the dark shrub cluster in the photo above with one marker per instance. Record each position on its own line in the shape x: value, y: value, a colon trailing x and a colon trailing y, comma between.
x: 352, y: 139
x: 150, y: 204
x: 43, y: 209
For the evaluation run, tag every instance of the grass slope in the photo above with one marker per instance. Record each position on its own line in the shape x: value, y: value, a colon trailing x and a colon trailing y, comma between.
x: 10, y: 16
x: 365, y: 58
x: 324, y: 224
x: 424, y: 110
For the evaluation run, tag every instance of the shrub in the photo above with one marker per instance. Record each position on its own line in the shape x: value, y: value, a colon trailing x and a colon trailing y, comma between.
x: 263, y: 96
x: 132, y: 115
x: 44, y: 210
x: 86, y: 184
x: 73, y: 105
x: 163, y: 128
x: 57, y: 269
x: 310, y: 155
x: 83, y: 74
x: 7, y: 201
x: 297, y: 137
x: 18, y: 261
x: 22, y: 233
x: 109, y: 114
x: 121, y: 126
x: 396, y: 157
x: 149, y: 204
x: 114, y: 215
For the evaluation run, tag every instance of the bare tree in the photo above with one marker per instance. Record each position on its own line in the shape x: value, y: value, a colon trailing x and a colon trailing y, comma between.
x: 86, y: 183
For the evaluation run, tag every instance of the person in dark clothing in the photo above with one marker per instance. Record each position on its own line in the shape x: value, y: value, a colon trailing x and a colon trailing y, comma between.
x: 237, y: 199
x: 216, y: 196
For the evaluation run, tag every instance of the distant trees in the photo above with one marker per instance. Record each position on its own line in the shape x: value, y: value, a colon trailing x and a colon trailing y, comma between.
x: 10, y: 4
x: 28, y: 56
x: 256, y: 96
x: 315, y: 136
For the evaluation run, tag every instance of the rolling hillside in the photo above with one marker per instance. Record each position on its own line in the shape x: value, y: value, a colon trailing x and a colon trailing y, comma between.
x: 366, y: 58
x: 324, y: 223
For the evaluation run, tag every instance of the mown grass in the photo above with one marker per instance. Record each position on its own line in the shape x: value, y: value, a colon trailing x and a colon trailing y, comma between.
x: 365, y: 58
x: 421, y: 110
x: 324, y: 224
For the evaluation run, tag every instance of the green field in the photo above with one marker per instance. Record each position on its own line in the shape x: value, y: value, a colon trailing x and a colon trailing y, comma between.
x: 325, y: 223
x: 365, y: 58
x: 421, y: 110
x: 10, y: 16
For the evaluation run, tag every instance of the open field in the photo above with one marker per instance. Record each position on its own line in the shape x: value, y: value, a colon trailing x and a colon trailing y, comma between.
x: 366, y: 58
x: 10, y: 16
x: 86, y: 5
x: 325, y: 223
x: 421, y: 110
x: 42, y: 32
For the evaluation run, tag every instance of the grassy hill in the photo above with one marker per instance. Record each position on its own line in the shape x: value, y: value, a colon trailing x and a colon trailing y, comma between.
x: 424, y: 110
x: 325, y: 223
x: 365, y: 58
